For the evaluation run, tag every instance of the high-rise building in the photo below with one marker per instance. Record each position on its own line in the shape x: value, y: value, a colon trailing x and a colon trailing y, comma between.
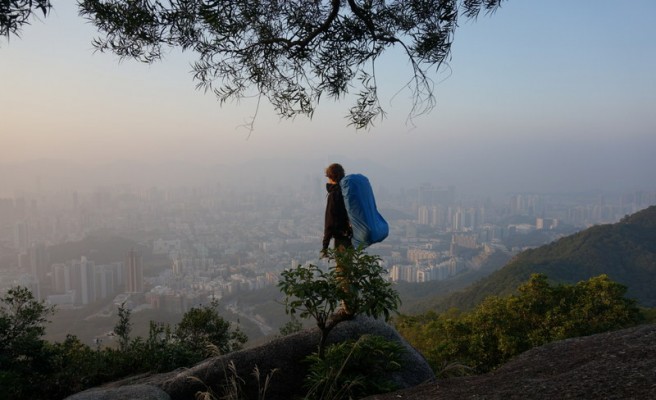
x: 87, y: 281
x: 133, y: 272
x: 406, y: 273
x: 39, y: 262
x: 104, y: 281
x: 21, y: 236
x: 437, y: 216
x: 457, y: 221
x: 176, y: 266
x: 61, y: 278
x: 76, y: 280
x: 422, y: 217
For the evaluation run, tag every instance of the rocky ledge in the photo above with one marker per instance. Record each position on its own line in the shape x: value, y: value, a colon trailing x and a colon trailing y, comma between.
x: 613, y: 365
x: 284, y: 355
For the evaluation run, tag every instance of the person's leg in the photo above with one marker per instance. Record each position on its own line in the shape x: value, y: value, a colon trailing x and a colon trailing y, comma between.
x: 341, y: 244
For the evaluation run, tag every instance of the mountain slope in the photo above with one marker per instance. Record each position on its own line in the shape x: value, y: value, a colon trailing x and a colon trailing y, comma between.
x: 625, y: 251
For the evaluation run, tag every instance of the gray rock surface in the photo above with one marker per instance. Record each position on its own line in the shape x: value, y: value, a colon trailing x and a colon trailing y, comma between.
x: 613, y: 365
x: 284, y: 355
x: 132, y: 392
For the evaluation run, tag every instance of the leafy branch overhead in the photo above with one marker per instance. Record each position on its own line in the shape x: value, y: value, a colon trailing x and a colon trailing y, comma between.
x: 16, y: 13
x: 291, y: 52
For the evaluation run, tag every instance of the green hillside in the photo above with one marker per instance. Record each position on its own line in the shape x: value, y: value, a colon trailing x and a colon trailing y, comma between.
x: 625, y: 251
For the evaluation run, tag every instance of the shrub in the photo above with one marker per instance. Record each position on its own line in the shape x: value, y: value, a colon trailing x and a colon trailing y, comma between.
x: 358, y: 282
x: 354, y: 369
x: 503, y: 327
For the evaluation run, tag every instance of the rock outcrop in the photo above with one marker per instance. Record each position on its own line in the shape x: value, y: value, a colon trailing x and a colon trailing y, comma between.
x: 613, y: 365
x: 284, y: 355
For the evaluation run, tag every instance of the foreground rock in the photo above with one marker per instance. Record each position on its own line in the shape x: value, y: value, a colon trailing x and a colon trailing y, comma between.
x: 614, y: 365
x: 285, y: 355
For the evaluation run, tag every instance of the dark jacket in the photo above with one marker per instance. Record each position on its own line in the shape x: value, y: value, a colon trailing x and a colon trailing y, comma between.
x: 337, y: 224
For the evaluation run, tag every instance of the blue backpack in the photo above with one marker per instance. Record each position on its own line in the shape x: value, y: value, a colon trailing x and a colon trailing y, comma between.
x: 368, y: 225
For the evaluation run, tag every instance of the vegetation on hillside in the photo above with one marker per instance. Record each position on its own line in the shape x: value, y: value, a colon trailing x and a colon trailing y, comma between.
x: 33, y: 368
x: 475, y: 341
x: 503, y: 327
x: 625, y: 251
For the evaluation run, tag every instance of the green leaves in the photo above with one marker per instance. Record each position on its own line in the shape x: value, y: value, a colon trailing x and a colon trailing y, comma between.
x: 290, y: 52
x: 123, y: 327
x: 502, y: 327
x: 22, y: 323
x: 354, y: 369
x: 356, y: 280
x: 16, y: 13
x: 369, y: 293
x: 311, y: 292
x: 32, y: 368
x: 23, y: 353
x: 202, y: 328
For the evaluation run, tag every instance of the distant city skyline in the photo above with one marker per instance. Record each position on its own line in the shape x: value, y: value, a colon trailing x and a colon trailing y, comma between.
x: 540, y: 96
x: 169, y: 248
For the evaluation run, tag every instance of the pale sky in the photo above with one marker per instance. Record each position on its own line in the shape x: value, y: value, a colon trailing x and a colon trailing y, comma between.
x: 540, y: 94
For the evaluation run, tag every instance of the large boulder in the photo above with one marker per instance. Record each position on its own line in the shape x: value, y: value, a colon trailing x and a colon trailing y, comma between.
x: 283, y: 355
x: 614, y: 365
x: 130, y: 392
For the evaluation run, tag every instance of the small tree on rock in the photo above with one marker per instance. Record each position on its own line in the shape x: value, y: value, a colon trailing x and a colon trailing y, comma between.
x: 358, y: 282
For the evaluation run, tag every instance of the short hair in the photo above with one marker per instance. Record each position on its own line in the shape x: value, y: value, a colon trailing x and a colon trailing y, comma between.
x: 335, y: 172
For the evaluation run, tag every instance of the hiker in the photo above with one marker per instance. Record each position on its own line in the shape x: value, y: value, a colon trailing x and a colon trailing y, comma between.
x: 337, y: 225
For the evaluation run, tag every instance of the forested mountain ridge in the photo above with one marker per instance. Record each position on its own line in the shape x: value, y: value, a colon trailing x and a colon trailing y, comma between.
x: 625, y: 251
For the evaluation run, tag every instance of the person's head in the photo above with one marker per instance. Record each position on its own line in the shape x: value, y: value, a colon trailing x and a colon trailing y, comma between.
x: 335, y: 172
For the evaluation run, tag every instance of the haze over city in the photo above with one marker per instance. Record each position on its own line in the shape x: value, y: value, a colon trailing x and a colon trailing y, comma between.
x: 124, y: 188
x: 156, y: 241
x: 541, y: 96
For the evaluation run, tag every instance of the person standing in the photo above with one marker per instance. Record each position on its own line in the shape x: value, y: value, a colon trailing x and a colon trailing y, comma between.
x: 337, y: 226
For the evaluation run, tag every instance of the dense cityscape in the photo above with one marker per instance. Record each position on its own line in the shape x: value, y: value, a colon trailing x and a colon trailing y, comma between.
x: 187, y: 246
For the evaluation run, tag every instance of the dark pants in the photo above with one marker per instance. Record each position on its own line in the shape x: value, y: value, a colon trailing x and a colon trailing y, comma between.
x: 342, y: 243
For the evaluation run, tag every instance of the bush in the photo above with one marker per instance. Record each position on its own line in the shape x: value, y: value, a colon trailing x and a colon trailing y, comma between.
x: 503, y: 327
x: 23, y: 352
x: 354, y: 369
x: 31, y: 368
x: 358, y: 282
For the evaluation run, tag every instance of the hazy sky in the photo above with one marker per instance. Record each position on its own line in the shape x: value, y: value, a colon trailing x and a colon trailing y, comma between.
x: 542, y: 94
